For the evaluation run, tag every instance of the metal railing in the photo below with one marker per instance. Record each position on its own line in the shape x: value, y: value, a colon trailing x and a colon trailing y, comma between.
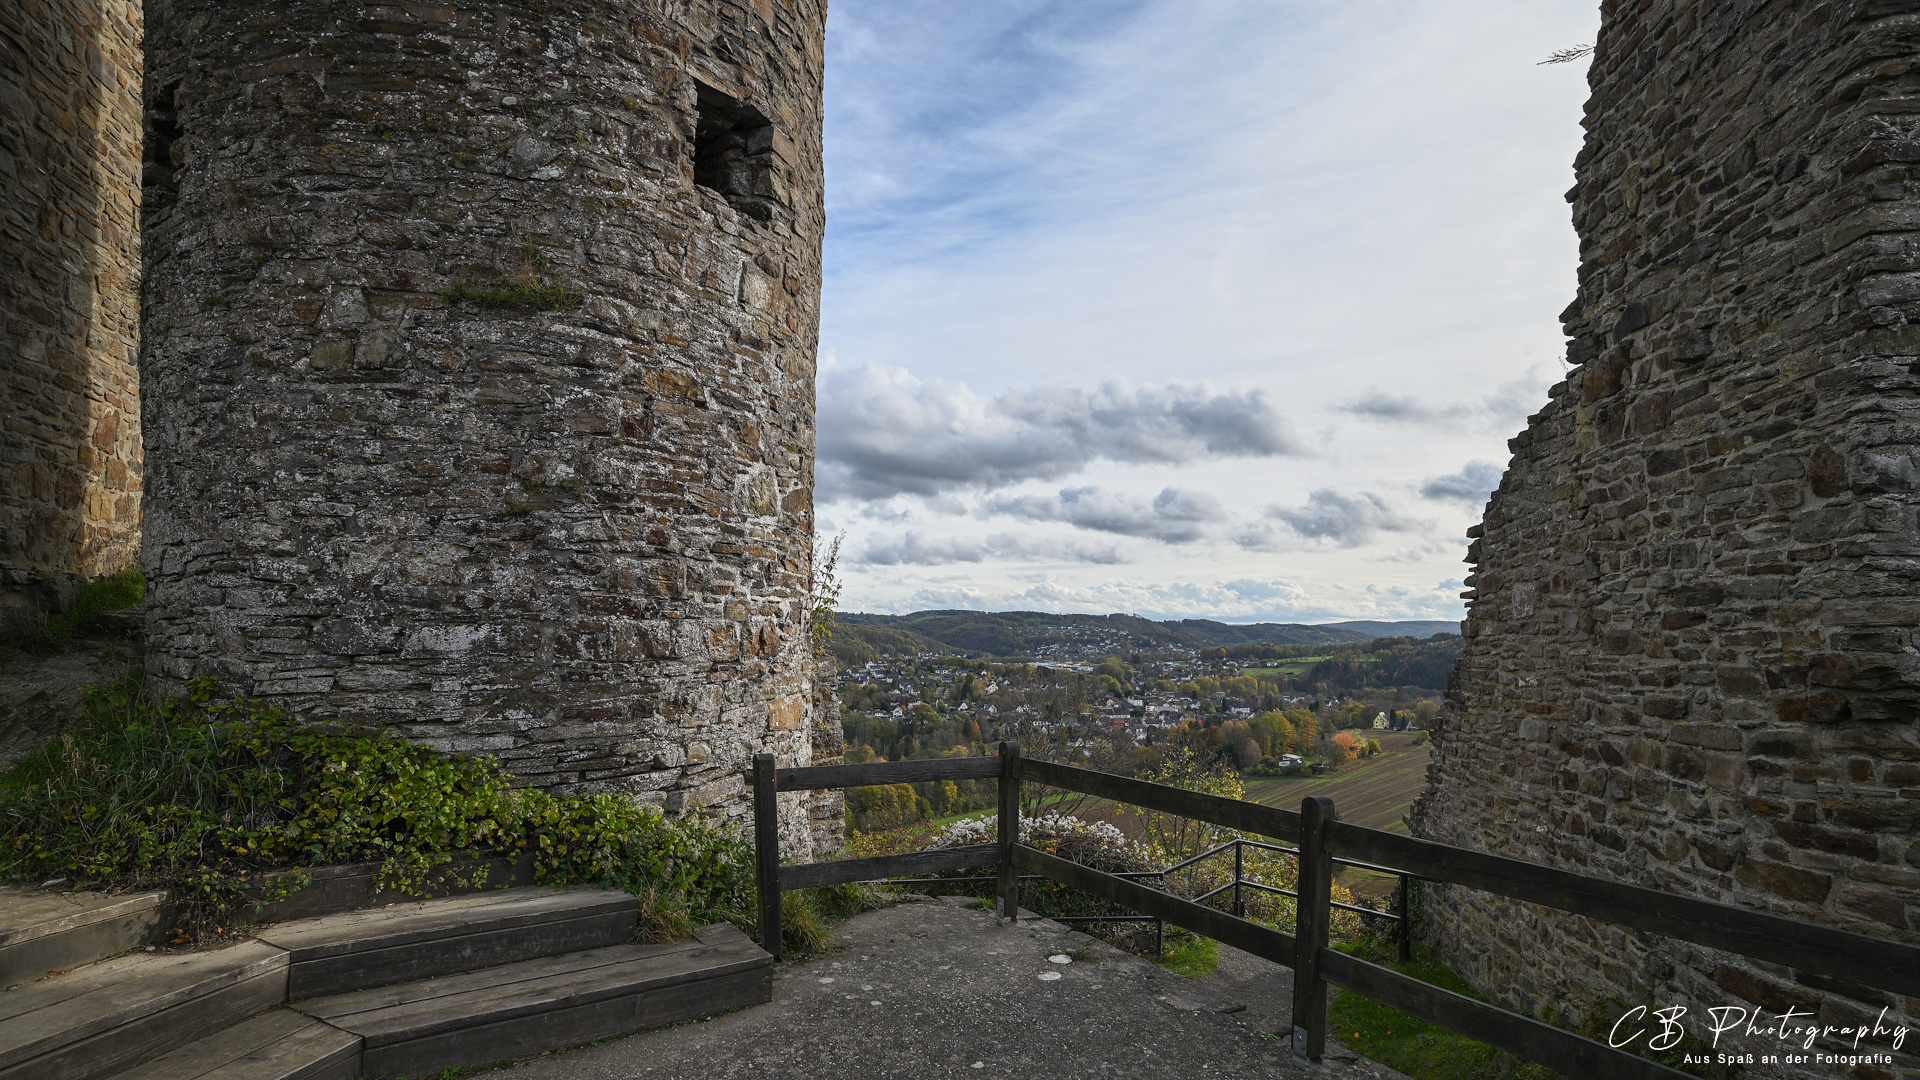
x: 1320, y: 842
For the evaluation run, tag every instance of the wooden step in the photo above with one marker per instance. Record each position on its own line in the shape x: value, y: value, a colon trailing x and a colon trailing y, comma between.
x: 276, y: 1045
x: 98, y: 1020
x: 547, y: 1003
x: 43, y: 931
x: 407, y: 942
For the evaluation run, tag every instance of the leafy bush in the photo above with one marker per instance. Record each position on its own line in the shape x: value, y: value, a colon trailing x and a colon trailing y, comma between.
x: 101, y: 596
x: 205, y: 797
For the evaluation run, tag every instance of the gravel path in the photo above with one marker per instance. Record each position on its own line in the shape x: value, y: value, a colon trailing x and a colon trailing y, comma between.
x: 931, y: 989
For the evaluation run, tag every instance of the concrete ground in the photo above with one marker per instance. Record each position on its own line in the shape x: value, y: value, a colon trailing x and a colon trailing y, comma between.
x: 930, y: 988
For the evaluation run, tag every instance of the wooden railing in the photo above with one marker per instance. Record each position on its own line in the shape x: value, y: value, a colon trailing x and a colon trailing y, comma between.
x: 1320, y: 840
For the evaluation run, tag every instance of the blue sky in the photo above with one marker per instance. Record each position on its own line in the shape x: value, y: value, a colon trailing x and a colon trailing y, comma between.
x: 1186, y: 308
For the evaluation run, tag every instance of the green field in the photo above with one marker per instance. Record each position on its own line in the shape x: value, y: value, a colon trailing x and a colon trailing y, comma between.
x: 1373, y: 792
x: 1300, y: 665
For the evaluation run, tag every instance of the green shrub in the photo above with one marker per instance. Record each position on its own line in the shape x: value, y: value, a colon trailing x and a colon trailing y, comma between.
x: 101, y: 596
x: 205, y: 796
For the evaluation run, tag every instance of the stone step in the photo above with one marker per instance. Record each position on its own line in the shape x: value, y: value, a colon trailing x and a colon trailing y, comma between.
x: 101, y: 1019
x: 277, y: 1045
x: 407, y: 942
x: 43, y: 931
x: 547, y: 1003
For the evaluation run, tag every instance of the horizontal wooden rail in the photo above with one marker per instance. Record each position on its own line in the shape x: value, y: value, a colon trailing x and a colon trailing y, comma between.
x: 1229, y: 813
x: 1218, y: 925
x: 874, y: 773
x: 1563, y: 1051
x: 841, y: 871
x: 1883, y: 964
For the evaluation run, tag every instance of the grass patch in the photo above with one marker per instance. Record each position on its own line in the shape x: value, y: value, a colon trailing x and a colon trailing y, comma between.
x: 1427, y: 1051
x: 101, y: 596
x: 805, y: 915
x: 1189, y: 954
x: 206, y: 797
x: 521, y: 296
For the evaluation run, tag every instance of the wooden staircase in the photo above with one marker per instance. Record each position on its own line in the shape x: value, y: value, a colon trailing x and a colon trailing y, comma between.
x: 404, y: 990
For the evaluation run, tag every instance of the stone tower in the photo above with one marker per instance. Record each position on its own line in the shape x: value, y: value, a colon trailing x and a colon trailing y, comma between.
x: 69, y: 271
x: 478, y: 374
x: 1691, y: 653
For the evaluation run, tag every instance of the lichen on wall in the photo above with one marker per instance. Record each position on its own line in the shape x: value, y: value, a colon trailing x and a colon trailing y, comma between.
x: 470, y: 413
x: 1690, y: 653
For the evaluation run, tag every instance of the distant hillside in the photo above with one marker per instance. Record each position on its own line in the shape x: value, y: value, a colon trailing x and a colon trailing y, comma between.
x: 859, y: 637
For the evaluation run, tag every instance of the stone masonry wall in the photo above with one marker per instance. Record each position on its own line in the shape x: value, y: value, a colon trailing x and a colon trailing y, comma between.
x: 1691, y: 657
x: 69, y: 273
x: 469, y: 413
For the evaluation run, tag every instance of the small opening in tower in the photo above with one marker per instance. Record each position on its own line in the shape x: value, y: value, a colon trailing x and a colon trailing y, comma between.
x: 158, y: 161
x: 733, y: 153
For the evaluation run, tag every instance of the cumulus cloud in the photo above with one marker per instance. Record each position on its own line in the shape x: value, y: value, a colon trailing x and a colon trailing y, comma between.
x: 1470, y: 486
x: 1506, y: 407
x: 1175, y: 516
x: 883, y: 431
x: 1333, y: 517
x: 1238, y: 600
x: 916, y: 548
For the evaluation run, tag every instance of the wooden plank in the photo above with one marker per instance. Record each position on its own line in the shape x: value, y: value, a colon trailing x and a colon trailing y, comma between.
x: 1313, y: 919
x: 1887, y: 965
x: 1563, y: 1051
x: 276, y: 1045
x: 434, y: 1006
x: 491, y: 947
x: 1007, y: 889
x: 1218, y: 925
x: 152, y: 1034
x: 1231, y: 813
x: 27, y: 913
x: 405, y: 924
x: 766, y: 851
x: 45, y: 1015
x: 874, y: 773
x: 568, y: 1024
x: 909, y: 864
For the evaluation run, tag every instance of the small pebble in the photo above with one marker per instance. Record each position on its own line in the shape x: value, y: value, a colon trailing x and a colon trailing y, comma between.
x: 1049, y: 976
x: 826, y: 980
x: 1060, y: 958
x: 978, y: 1065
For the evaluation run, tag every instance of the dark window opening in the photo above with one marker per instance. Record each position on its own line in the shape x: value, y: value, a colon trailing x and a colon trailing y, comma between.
x: 158, y: 162
x: 734, y: 155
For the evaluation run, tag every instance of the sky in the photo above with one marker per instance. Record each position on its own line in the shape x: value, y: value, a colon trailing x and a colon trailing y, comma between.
x: 1186, y: 308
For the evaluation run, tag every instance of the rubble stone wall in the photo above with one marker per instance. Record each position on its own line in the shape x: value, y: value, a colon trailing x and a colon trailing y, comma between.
x: 1691, y: 657
x: 469, y: 413
x: 70, y: 467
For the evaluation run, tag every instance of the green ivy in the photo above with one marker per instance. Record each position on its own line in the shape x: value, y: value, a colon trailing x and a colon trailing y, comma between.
x: 206, y: 796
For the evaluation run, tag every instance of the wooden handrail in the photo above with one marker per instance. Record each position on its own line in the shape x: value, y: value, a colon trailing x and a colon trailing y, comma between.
x: 1886, y: 965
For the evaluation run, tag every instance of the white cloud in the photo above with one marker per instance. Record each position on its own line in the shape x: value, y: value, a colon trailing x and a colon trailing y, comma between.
x: 1236, y: 600
x: 1175, y: 516
x: 883, y: 431
x: 1332, y: 517
x: 916, y: 548
x: 1469, y: 487
x: 1507, y: 407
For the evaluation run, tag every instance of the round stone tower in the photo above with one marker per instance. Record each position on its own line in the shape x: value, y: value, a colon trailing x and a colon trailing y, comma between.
x: 478, y: 374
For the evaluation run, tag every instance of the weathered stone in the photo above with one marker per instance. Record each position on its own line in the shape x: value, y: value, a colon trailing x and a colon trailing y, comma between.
x: 470, y: 412
x: 1703, y: 548
x: 70, y: 453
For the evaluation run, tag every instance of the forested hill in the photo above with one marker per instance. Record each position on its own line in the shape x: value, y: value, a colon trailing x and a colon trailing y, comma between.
x: 1025, y: 633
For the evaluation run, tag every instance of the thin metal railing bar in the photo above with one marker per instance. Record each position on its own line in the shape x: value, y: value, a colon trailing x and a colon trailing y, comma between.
x: 1176, y: 867
x: 1242, y: 934
x: 1236, y: 814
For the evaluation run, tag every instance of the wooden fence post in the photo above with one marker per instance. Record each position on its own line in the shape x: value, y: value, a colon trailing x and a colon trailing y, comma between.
x: 766, y: 850
x: 1406, y: 920
x: 1313, y: 917
x: 1009, y: 905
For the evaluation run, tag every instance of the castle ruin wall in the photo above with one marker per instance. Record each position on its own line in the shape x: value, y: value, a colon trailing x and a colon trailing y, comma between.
x: 70, y: 460
x: 1691, y: 659
x: 478, y: 376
